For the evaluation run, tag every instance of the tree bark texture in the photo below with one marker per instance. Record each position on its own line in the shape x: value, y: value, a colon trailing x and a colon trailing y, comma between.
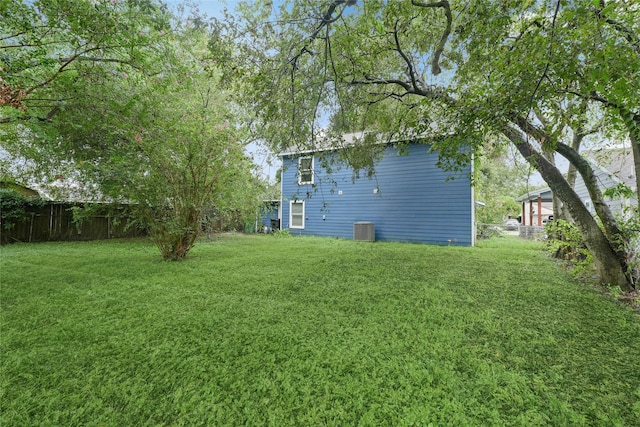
x: 611, y: 226
x: 609, y: 269
x: 634, y: 136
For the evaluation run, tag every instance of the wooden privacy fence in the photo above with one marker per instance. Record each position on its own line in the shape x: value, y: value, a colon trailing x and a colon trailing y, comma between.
x: 54, y: 222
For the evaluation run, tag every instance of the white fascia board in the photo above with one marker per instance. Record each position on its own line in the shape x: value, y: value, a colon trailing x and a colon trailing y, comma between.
x: 350, y: 139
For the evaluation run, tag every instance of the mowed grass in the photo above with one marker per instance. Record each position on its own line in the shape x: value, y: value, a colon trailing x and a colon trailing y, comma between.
x: 258, y: 330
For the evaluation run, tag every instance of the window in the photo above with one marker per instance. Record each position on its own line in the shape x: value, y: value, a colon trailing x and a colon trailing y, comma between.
x: 296, y: 214
x: 305, y: 170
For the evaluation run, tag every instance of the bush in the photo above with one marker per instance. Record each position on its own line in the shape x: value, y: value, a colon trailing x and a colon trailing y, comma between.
x: 565, y: 242
x: 281, y: 233
x: 487, y: 231
x: 629, y: 242
x: 14, y: 207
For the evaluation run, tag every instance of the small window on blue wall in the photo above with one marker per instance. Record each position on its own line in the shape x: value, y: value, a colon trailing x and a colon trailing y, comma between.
x: 305, y: 170
x: 296, y: 214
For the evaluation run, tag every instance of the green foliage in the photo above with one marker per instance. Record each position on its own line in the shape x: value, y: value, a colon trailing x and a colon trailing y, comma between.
x: 136, y: 112
x: 487, y: 231
x: 193, y: 160
x: 629, y: 240
x: 281, y: 233
x: 620, y: 191
x: 14, y: 207
x: 354, y: 334
x: 116, y: 213
x: 53, y: 51
x: 499, y: 180
x: 565, y: 242
x: 363, y: 156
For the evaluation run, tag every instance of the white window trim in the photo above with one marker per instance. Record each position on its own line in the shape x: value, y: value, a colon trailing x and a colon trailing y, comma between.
x: 291, y: 203
x: 300, y: 181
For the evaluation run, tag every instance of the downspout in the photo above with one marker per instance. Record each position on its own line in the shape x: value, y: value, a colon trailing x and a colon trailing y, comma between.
x: 474, y: 225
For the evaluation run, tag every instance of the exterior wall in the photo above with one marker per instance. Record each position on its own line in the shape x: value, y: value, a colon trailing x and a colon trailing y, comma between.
x: 409, y: 199
x: 605, y: 180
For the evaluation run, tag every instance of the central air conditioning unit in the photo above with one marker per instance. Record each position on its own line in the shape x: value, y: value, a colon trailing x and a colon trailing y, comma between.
x: 364, y: 231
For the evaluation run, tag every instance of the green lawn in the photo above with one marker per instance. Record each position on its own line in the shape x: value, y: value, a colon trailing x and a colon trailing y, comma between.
x: 259, y: 330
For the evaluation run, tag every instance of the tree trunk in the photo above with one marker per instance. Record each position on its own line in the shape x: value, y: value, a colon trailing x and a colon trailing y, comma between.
x: 634, y: 136
x: 609, y: 269
x: 578, y: 136
x: 609, y: 222
x: 176, y: 232
x: 557, y: 203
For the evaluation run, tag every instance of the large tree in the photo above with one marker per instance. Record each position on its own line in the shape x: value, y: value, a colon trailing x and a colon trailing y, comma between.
x: 124, y: 98
x: 469, y: 69
x: 49, y: 50
x: 173, y: 151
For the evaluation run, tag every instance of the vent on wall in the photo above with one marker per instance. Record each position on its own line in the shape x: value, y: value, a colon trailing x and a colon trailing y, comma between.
x: 364, y: 231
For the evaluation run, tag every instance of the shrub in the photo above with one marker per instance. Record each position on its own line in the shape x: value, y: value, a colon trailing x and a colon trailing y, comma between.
x: 487, y: 231
x: 629, y: 242
x: 565, y: 242
x: 14, y: 207
x: 282, y: 233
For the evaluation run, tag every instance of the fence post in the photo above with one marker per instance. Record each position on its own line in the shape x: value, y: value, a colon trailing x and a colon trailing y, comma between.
x: 50, y: 221
x: 33, y: 214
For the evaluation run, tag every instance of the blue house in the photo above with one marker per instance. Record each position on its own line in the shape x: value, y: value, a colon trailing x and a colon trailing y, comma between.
x: 408, y: 199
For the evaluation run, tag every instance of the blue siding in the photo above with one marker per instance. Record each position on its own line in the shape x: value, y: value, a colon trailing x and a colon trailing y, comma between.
x: 416, y: 202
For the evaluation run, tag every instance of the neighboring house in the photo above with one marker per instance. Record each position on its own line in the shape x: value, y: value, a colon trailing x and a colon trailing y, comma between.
x: 537, y: 207
x: 408, y: 199
x: 612, y: 168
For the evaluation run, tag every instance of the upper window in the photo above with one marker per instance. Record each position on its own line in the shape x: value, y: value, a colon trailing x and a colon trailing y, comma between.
x: 305, y: 170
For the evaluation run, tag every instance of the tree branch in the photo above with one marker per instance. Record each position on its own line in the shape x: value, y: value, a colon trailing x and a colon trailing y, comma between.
x: 60, y: 70
x: 623, y: 111
x: 549, y: 53
x: 410, y: 68
x: 435, y: 62
x: 326, y: 20
x: 628, y: 35
x: 607, y: 261
x: 430, y: 92
x: 93, y: 59
x: 48, y: 117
